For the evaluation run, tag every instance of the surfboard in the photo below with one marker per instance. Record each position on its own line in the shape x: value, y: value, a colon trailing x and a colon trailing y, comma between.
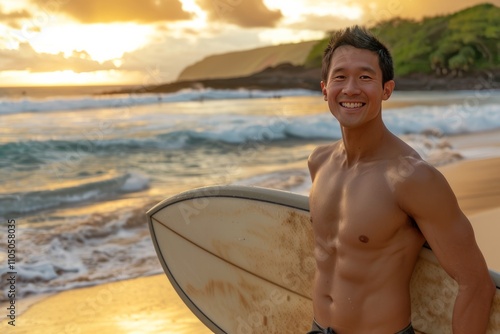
x: 241, y: 259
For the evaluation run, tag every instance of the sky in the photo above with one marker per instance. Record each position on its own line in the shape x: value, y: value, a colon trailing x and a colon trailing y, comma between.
x: 149, y: 42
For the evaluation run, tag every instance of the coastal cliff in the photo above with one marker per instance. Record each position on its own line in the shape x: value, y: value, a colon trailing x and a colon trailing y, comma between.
x: 246, y: 62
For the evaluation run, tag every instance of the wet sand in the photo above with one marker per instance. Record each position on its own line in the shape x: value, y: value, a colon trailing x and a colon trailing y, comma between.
x: 144, y: 305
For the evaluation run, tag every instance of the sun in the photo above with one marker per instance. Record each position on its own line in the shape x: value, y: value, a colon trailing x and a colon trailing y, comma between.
x: 98, y: 42
x: 101, y: 41
x: 63, y: 36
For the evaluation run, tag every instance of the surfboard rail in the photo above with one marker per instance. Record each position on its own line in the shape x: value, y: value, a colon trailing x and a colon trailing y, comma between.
x: 261, y: 194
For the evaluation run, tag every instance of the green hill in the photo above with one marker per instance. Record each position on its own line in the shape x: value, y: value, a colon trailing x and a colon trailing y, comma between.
x: 246, y: 62
x: 461, y: 42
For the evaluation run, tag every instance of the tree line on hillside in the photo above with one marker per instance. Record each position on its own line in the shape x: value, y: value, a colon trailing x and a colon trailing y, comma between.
x: 457, y: 43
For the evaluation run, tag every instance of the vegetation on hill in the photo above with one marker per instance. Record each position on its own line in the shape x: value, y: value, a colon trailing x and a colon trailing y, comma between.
x: 458, y: 43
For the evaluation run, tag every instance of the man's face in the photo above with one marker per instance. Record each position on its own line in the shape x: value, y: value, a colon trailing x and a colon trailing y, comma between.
x: 354, y: 88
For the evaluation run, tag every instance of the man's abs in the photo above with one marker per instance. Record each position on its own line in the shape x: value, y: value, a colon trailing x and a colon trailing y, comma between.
x: 356, y: 307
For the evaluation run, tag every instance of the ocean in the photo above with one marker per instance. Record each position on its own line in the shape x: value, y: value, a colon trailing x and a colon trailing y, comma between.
x: 78, y: 172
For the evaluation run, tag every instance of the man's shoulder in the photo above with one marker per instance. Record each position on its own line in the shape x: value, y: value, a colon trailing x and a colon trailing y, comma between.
x: 319, y: 156
x: 420, y: 171
x: 411, y: 176
x: 409, y: 166
x: 321, y: 153
x: 405, y: 169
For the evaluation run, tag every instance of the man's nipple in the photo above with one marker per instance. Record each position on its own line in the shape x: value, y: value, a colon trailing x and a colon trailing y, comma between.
x: 364, y: 239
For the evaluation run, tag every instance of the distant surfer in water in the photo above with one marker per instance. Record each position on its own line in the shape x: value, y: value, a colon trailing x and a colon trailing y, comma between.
x: 374, y: 202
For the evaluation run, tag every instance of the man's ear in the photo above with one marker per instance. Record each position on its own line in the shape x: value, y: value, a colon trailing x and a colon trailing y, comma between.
x: 323, y: 90
x: 388, y: 89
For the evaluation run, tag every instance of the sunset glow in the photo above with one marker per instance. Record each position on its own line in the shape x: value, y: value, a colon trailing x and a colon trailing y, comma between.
x: 68, y: 77
x: 115, y: 42
x: 100, y: 41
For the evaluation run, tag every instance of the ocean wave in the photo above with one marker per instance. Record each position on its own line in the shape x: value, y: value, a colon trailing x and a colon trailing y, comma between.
x: 85, y: 190
x: 82, y: 253
x: 13, y: 106
x: 223, y: 131
x: 447, y: 120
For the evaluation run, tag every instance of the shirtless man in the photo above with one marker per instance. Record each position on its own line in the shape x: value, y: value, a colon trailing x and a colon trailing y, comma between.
x: 374, y: 202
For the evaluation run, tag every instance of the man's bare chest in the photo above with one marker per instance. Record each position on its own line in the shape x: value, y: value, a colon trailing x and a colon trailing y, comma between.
x: 356, y: 206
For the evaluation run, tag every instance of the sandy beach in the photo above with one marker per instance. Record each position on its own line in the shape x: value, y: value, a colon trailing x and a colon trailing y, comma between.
x: 476, y: 183
x: 142, y: 305
x: 150, y: 305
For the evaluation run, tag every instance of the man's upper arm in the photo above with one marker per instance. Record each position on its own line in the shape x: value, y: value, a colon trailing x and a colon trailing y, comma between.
x: 427, y: 197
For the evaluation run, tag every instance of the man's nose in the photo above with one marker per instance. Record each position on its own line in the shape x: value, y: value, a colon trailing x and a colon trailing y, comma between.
x: 351, y: 87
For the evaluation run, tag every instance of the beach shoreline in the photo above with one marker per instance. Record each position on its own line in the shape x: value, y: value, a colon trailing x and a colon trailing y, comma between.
x: 150, y: 303
x: 289, y: 76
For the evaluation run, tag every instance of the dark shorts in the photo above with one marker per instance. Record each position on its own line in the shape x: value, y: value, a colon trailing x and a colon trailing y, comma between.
x: 317, y: 329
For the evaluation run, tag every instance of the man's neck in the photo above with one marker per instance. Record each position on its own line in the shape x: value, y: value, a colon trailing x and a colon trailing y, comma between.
x: 363, y: 144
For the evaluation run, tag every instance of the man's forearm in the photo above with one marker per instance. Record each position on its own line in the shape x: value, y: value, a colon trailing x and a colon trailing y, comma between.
x: 472, y: 310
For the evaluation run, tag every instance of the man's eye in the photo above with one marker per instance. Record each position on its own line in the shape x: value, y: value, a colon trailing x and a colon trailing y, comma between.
x: 365, y: 77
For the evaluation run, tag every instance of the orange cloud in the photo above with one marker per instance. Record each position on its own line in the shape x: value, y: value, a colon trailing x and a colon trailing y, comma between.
x: 12, y: 18
x: 244, y: 13
x: 106, y: 11
x: 26, y: 59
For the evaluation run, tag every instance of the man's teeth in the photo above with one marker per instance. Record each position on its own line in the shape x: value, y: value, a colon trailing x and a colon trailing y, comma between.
x: 351, y: 104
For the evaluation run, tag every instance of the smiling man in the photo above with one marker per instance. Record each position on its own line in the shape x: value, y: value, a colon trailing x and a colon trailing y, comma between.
x: 374, y: 202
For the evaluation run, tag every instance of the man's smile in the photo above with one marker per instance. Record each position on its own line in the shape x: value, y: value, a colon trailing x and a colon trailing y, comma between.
x: 352, y: 105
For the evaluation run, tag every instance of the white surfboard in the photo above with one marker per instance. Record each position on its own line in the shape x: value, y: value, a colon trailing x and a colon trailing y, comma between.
x: 241, y: 259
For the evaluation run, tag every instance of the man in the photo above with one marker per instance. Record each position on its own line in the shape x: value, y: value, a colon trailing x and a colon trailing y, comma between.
x: 374, y: 202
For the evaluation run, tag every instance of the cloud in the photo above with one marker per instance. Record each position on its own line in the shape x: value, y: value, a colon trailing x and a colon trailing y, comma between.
x: 375, y: 12
x: 157, y: 66
x: 107, y: 11
x: 244, y: 13
x: 26, y: 59
x: 324, y: 23
x: 12, y: 18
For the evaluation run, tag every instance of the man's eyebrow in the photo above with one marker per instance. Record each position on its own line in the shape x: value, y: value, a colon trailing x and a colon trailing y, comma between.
x: 368, y: 69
